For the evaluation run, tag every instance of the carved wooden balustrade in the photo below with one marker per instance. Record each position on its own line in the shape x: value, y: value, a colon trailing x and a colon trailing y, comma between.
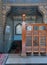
x: 34, y: 38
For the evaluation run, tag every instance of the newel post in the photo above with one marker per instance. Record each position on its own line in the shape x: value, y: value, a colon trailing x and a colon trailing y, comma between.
x: 23, y: 36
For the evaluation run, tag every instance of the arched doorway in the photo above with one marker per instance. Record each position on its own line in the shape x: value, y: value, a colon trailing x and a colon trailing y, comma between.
x: 32, y: 16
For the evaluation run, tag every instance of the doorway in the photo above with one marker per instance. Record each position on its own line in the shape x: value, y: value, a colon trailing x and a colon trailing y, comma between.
x: 32, y: 16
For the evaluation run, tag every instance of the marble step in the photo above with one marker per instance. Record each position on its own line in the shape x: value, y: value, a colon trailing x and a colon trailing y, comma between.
x: 14, y: 59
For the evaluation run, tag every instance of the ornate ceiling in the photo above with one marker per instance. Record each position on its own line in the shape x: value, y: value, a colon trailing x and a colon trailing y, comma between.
x: 28, y: 10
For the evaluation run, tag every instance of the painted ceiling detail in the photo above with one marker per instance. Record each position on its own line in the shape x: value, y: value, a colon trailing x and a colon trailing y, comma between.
x: 28, y: 10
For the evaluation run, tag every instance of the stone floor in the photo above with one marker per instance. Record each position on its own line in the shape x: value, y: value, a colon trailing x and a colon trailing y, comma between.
x: 17, y: 59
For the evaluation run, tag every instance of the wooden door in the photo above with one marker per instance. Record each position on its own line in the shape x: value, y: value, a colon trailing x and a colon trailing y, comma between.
x: 34, y: 38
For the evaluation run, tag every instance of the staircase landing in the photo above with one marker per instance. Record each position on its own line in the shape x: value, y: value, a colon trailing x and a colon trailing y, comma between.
x: 17, y: 59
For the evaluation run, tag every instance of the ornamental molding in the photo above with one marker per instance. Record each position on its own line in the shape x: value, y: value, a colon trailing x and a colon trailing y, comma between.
x: 5, y: 9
